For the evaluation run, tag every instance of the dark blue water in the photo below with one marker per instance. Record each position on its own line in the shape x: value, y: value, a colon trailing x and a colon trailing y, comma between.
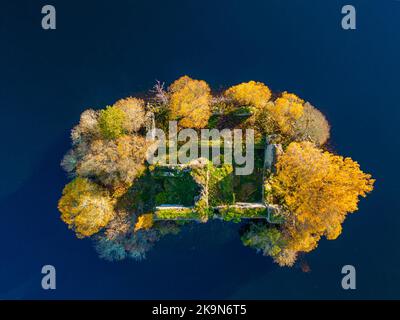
x: 105, y: 50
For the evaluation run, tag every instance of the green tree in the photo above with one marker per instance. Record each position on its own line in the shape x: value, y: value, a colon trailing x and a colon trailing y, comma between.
x: 111, y: 122
x: 262, y: 237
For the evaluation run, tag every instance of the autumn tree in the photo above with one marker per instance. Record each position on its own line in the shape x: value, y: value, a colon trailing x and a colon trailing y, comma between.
x: 82, y: 134
x: 190, y: 102
x: 135, y: 114
x: 286, y: 257
x: 251, y: 93
x: 284, y: 113
x: 119, y: 226
x: 278, y: 119
x: 85, y: 207
x: 114, y: 162
x: 318, y: 189
x: 311, y: 126
x: 105, y: 131
x: 88, y: 127
x: 145, y: 221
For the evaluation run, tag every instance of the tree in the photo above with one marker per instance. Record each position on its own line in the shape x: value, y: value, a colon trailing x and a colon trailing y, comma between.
x: 105, y: 131
x: 119, y: 226
x: 82, y: 135
x: 114, y: 162
x: 135, y: 245
x: 271, y: 241
x: 286, y: 257
x: 267, y: 239
x: 161, y: 97
x: 251, y: 93
x: 190, y: 102
x: 319, y: 189
x: 281, y: 119
x: 69, y: 162
x: 222, y: 105
x: 111, y: 122
x: 88, y: 127
x: 284, y: 113
x: 145, y: 221
x: 85, y: 207
x: 262, y: 122
x: 135, y: 114
x: 110, y: 249
x: 311, y: 126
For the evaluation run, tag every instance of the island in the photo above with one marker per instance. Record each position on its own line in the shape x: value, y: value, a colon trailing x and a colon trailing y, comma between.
x: 133, y: 181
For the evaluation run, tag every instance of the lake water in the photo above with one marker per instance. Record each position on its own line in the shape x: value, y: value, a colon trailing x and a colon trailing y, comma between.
x: 105, y: 50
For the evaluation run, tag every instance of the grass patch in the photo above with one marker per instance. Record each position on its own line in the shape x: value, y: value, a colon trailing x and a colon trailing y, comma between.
x: 184, y: 213
x: 235, y: 214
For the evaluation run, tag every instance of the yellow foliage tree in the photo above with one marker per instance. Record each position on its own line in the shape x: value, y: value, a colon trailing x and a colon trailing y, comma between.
x: 135, y: 115
x: 319, y: 189
x: 284, y: 113
x: 251, y: 93
x: 85, y: 207
x: 145, y: 221
x: 190, y: 102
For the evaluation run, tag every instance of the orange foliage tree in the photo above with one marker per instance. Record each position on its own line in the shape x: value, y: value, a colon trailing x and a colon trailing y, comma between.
x: 251, y: 93
x: 319, y: 189
x: 190, y: 102
x: 284, y: 112
x: 145, y: 221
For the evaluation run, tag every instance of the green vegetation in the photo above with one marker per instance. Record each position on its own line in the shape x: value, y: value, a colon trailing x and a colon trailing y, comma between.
x: 220, y: 185
x: 181, y: 213
x: 111, y: 122
x: 235, y: 214
x: 276, y: 218
x: 179, y: 190
x: 264, y: 238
